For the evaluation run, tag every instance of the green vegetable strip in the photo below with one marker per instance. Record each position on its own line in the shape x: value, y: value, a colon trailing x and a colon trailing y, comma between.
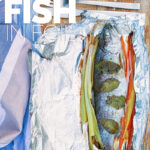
x: 88, y: 97
x: 90, y: 142
x: 87, y: 89
x: 97, y: 133
x: 83, y: 106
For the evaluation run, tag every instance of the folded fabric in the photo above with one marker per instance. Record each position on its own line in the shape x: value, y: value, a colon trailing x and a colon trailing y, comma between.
x: 15, y: 81
x: 22, y: 141
x: 14, y: 88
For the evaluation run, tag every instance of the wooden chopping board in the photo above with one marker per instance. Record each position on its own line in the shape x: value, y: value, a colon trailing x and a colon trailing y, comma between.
x: 145, y: 8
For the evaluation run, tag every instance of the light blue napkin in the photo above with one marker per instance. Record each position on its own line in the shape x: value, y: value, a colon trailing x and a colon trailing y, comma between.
x: 15, y: 81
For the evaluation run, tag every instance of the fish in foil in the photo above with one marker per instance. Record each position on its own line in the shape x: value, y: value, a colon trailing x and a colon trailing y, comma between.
x: 90, y: 85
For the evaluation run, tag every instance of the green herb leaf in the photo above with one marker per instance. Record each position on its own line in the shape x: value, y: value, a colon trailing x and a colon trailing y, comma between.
x: 107, y: 86
x: 110, y: 125
x: 116, y: 101
x: 108, y: 67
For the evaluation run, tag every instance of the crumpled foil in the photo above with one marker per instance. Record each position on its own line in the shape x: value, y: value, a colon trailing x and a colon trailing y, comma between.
x: 56, y: 82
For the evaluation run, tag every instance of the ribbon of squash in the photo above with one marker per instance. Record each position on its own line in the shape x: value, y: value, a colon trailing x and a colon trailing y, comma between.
x: 127, y: 120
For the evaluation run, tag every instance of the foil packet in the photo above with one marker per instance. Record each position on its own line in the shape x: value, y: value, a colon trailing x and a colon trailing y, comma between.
x: 56, y: 82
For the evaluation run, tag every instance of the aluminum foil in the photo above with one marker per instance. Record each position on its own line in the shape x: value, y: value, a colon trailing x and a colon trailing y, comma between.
x: 55, y: 111
x: 56, y: 82
x: 125, y: 24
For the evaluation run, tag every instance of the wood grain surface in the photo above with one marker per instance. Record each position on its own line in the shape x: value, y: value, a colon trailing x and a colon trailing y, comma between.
x: 145, y: 8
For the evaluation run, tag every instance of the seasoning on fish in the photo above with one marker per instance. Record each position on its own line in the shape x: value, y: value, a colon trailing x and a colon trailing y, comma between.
x: 110, y: 125
x: 107, y: 86
x: 117, y: 102
x: 108, y: 67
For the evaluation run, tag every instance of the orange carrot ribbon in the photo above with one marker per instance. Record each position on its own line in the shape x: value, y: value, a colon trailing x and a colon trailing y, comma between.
x: 127, y: 121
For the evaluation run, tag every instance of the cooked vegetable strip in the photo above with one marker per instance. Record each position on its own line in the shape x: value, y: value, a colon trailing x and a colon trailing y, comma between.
x: 83, y: 106
x: 86, y: 92
x: 127, y: 120
x: 125, y: 54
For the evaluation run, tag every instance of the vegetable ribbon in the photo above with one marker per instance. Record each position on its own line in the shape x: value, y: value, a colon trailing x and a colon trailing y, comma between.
x: 127, y: 121
x: 87, y: 110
